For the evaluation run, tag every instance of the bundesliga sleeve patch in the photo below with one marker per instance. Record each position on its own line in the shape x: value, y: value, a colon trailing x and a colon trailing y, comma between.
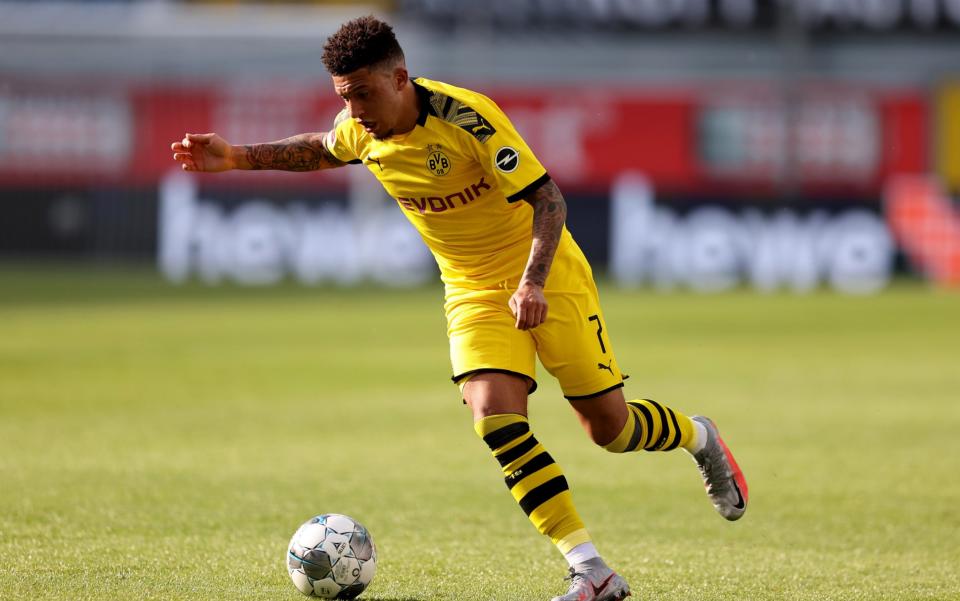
x: 507, y: 159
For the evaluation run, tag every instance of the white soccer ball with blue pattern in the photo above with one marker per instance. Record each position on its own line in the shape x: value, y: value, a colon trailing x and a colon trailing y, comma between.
x: 331, y: 556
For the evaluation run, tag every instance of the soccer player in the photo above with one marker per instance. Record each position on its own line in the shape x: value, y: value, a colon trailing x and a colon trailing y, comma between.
x: 517, y: 286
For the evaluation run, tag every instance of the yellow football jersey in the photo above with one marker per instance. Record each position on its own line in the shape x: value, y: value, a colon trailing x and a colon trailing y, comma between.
x: 457, y: 176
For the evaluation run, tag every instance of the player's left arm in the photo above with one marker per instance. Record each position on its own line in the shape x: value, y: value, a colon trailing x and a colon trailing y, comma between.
x: 528, y: 303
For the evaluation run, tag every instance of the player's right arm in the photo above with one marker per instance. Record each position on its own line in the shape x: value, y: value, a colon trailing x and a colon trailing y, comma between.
x: 211, y: 153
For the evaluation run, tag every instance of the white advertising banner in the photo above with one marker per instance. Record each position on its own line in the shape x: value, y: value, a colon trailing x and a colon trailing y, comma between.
x: 262, y: 243
x: 712, y: 249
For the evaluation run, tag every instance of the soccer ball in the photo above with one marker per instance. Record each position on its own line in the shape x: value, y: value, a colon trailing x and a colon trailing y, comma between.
x: 331, y: 556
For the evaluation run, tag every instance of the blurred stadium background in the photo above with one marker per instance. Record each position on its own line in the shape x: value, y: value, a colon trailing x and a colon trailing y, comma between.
x: 191, y: 366
x: 704, y: 144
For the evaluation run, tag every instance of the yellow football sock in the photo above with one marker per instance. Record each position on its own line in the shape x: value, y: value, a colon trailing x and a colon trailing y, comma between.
x: 534, y: 479
x: 653, y: 427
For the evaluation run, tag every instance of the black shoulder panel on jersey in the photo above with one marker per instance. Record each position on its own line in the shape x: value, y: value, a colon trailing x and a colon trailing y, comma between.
x: 452, y: 110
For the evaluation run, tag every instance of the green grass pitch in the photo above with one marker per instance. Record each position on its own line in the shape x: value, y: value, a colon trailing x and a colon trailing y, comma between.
x: 163, y: 443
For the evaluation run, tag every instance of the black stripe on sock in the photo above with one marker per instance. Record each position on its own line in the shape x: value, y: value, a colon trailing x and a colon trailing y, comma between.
x: 505, y: 435
x: 676, y: 429
x: 663, y: 426
x: 543, y: 493
x: 648, y: 417
x: 517, y: 451
x: 537, y: 463
x: 637, y: 431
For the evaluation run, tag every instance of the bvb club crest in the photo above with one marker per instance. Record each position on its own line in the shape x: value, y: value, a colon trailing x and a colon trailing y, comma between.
x: 437, y: 162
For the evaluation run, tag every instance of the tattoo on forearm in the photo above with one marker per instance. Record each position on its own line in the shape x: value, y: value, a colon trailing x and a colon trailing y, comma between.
x: 305, y: 152
x: 549, y: 215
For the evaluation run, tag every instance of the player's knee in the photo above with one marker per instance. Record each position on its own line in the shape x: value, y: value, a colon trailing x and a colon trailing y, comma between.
x: 491, y: 408
x: 495, y: 394
x: 481, y: 410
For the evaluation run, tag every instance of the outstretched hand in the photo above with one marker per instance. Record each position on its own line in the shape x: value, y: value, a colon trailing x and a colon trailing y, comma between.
x: 529, y: 305
x: 203, y: 152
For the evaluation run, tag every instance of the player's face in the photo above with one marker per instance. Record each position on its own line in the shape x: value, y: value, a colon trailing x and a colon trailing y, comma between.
x: 373, y: 97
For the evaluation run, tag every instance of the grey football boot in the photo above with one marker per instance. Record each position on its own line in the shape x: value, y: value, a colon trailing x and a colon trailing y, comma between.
x: 592, y: 580
x: 725, y: 484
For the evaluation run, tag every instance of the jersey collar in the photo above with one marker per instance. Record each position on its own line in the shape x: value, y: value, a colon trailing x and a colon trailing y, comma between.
x: 423, y: 100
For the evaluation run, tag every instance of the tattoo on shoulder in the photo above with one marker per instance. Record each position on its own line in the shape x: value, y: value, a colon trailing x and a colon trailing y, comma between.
x: 305, y: 152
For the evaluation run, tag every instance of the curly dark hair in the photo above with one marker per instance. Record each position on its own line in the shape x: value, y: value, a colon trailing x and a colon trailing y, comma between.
x: 363, y: 42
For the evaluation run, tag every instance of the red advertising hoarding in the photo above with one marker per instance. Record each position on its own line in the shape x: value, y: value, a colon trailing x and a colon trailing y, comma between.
x: 743, y: 139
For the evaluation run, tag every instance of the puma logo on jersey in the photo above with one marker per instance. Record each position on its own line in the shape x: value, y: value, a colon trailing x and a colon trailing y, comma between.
x: 439, y: 204
x: 608, y: 366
